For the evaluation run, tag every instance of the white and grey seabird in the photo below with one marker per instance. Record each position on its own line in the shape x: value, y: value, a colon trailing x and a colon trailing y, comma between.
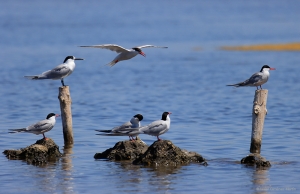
x: 158, y: 127
x: 40, y: 127
x: 59, y: 72
x: 257, y: 79
x: 125, y: 54
x: 126, y: 129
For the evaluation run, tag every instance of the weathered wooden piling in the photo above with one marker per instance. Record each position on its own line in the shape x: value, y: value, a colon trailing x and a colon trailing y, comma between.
x: 66, y: 114
x: 259, y: 112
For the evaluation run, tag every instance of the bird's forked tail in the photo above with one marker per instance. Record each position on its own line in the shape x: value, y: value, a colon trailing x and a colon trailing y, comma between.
x: 17, y: 130
x: 235, y: 85
x: 31, y: 76
x: 112, y: 63
x: 104, y: 131
x: 244, y: 83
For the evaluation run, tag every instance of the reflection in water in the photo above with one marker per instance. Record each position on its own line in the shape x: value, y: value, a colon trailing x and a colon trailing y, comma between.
x: 50, y: 179
x: 259, y: 180
x: 67, y: 184
x: 137, y: 177
x: 36, y: 177
x: 67, y: 159
x: 163, y: 177
x: 44, y: 177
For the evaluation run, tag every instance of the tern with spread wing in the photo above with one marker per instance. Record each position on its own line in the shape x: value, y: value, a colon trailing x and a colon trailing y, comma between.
x: 158, y: 127
x: 59, y: 72
x: 40, y: 127
x: 125, y: 54
x: 127, y: 129
x: 257, y: 79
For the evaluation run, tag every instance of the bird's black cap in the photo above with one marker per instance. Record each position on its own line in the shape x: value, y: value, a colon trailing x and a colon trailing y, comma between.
x: 265, y: 66
x: 164, y: 116
x: 69, y: 57
x: 139, y: 116
x: 50, y: 115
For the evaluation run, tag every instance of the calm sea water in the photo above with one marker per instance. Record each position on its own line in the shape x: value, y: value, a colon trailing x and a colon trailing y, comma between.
x: 187, y: 79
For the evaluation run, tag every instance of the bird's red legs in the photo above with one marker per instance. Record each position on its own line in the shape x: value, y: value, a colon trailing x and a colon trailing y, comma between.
x: 45, y: 138
x: 131, y: 138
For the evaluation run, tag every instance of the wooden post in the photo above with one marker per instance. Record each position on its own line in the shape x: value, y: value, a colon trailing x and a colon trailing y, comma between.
x: 258, y: 119
x: 66, y: 114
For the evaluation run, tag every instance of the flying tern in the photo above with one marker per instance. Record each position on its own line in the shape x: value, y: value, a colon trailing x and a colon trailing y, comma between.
x: 257, y: 79
x: 127, y: 129
x: 59, y: 72
x: 40, y: 127
x: 125, y: 54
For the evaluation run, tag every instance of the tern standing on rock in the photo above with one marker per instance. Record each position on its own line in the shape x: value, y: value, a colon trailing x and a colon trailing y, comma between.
x: 158, y: 127
x: 40, y: 127
x: 125, y: 54
x: 257, y: 79
x: 126, y: 129
x: 59, y: 72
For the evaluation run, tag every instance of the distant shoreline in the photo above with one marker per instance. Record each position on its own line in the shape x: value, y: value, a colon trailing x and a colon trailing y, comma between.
x: 295, y: 46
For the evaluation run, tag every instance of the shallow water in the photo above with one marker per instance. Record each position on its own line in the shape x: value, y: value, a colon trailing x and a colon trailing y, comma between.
x: 187, y: 79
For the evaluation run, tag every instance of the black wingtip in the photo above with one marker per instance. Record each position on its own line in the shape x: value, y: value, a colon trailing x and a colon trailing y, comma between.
x: 103, y: 131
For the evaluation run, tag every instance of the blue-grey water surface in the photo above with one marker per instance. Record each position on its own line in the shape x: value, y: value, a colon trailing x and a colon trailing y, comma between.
x: 187, y: 79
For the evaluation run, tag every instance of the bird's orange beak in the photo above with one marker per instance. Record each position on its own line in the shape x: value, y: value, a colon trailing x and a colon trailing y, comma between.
x: 272, y: 68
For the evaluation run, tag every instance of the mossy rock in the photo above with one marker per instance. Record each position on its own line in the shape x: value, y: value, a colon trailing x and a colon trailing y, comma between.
x: 165, y: 153
x: 256, y: 160
x: 123, y: 150
x: 41, y: 152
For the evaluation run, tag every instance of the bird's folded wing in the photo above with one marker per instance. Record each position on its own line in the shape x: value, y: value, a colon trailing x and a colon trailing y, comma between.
x: 123, y: 132
x: 41, y: 126
x: 112, y: 134
x: 123, y: 127
x: 154, y: 128
x: 255, y: 78
x: 57, y: 72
